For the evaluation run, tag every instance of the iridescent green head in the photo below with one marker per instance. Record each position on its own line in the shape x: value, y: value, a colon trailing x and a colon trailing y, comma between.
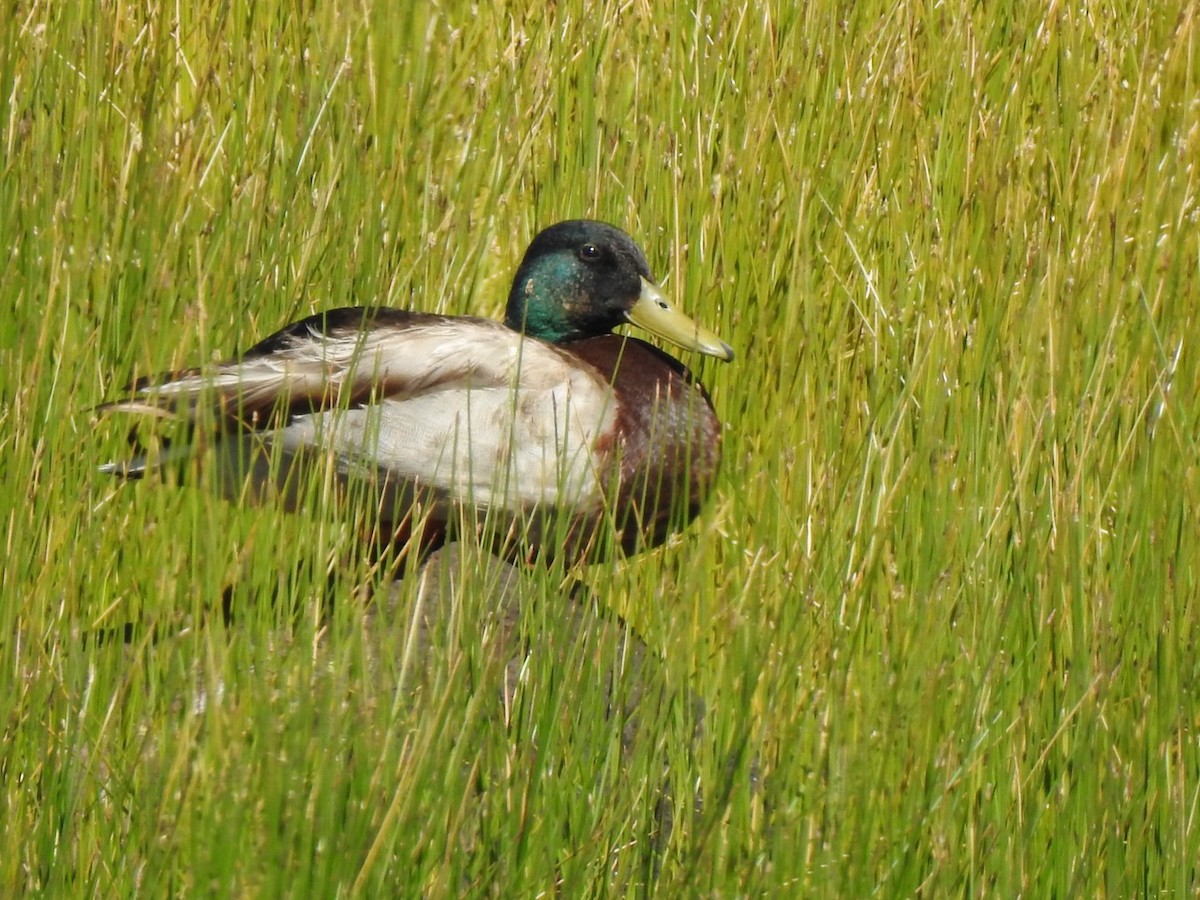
x: 581, y: 279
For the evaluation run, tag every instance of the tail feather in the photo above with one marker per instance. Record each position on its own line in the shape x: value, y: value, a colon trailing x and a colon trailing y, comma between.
x: 129, y: 469
x: 181, y: 397
x: 144, y: 462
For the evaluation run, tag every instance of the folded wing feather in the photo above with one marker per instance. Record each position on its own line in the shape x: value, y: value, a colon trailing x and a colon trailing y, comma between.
x: 469, y: 409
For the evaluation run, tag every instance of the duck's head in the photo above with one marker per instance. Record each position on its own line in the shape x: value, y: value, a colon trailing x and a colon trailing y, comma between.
x: 582, y: 279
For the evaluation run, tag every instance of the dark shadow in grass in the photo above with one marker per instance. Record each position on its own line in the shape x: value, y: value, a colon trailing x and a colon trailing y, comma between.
x: 566, y: 650
x: 563, y: 649
x: 574, y: 641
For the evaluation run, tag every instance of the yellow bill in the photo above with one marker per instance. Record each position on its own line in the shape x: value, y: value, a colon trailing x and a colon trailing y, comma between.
x: 654, y: 312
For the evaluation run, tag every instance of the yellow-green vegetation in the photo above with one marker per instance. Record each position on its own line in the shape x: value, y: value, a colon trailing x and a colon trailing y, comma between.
x: 942, y: 610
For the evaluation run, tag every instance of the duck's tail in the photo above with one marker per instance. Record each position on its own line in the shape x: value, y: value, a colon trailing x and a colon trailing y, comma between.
x: 144, y: 462
x: 144, y: 402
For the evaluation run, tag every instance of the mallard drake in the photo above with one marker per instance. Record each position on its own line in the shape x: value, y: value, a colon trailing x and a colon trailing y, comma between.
x: 547, y: 428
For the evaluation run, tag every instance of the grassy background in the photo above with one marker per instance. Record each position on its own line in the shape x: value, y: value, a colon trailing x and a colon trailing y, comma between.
x: 944, y: 598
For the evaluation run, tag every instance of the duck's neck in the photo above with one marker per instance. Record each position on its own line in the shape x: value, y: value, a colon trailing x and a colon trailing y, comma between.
x: 548, y: 301
x: 538, y: 318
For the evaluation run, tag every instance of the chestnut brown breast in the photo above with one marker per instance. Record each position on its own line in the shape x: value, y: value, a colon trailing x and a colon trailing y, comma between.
x: 666, y: 445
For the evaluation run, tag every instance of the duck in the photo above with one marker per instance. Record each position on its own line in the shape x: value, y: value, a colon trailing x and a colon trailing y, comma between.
x: 547, y: 433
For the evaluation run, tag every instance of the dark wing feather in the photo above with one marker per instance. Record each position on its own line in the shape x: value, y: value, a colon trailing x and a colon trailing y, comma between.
x: 308, y: 366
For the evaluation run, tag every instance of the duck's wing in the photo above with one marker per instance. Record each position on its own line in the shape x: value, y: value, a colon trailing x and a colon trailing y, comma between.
x: 464, y: 407
x: 340, y: 358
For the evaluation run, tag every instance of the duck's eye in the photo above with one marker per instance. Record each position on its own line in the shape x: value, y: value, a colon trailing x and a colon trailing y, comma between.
x: 589, y: 253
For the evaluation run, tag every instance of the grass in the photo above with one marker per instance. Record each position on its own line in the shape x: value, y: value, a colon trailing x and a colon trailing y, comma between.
x: 942, y: 610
